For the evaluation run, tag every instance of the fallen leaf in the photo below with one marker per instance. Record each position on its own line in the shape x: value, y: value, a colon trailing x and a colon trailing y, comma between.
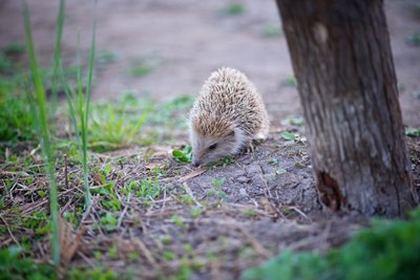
x: 69, y: 241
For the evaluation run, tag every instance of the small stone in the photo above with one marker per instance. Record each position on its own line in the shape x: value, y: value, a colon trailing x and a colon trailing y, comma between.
x: 243, y: 192
x: 243, y: 179
x: 253, y: 169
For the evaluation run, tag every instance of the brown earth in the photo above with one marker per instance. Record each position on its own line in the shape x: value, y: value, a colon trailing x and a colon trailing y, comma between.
x: 185, y: 40
x: 252, y: 207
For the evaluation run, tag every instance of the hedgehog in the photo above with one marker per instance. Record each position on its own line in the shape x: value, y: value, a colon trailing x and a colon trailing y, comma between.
x: 226, y: 117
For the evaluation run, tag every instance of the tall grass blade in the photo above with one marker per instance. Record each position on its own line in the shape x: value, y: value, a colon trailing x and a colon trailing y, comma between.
x: 43, y: 128
x: 84, y: 104
x: 81, y: 103
x: 57, y: 66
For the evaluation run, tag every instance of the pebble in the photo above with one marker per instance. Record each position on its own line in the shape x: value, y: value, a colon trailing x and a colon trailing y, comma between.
x: 252, y: 169
x: 243, y: 192
x: 243, y: 179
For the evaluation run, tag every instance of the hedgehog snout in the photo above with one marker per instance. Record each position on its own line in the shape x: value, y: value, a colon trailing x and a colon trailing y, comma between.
x: 196, y: 162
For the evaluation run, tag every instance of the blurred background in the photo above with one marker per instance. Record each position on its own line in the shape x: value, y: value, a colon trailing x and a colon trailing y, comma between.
x: 164, y: 49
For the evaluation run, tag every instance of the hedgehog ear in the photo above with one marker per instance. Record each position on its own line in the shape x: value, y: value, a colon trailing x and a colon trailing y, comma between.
x: 231, y: 133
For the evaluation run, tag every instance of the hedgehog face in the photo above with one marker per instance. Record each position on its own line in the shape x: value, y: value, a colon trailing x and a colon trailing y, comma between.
x: 207, y: 148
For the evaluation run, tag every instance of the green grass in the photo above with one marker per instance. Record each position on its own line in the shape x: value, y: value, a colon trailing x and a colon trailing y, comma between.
x: 98, y: 273
x: 105, y: 57
x: 79, y: 102
x: 108, y: 221
x: 293, y: 120
x: 111, y: 127
x: 234, y: 9
x: 216, y: 190
x: 417, y: 10
x: 387, y: 250
x: 16, y: 119
x: 290, y: 82
x: 414, y: 39
x: 140, y: 70
x: 6, y: 64
x: 288, y: 136
x: 412, y: 132
x: 109, y: 199
x: 146, y: 189
x: 271, y: 30
x: 14, y: 266
x: 144, y: 66
x: 172, y: 113
x: 184, y: 155
x: 41, y: 117
x: 14, y: 48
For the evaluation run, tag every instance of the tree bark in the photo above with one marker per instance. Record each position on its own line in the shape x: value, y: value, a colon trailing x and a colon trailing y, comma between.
x: 342, y: 60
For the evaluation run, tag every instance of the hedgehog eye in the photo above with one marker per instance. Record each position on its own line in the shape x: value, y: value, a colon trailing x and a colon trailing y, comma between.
x: 212, y: 147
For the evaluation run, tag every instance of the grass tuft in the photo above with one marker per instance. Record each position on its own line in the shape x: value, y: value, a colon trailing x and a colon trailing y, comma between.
x: 234, y: 9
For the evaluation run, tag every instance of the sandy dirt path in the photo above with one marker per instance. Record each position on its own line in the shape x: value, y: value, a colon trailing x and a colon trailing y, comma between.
x: 181, y: 42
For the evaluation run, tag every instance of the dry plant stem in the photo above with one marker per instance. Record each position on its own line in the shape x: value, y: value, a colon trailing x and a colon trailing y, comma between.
x: 190, y: 193
x: 146, y: 252
x: 127, y: 204
x: 9, y: 231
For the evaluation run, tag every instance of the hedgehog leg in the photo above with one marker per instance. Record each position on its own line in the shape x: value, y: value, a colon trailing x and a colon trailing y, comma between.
x: 248, y: 148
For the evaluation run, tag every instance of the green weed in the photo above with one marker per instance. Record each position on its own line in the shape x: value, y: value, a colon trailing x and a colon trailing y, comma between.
x: 271, y: 30
x: 168, y: 256
x: 108, y: 222
x: 184, y: 272
x: 184, y: 155
x: 109, y: 199
x: 217, y: 188
x: 387, y: 250
x: 186, y: 199
x: 412, y: 132
x: 6, y: 65
x: 14, y: 48
x: 414, y: 39
x: 417, y: 10
x: 147, y: 189
x: 98, y: 273
x: 293, y: 120
x: 38, y: 222
x: 144, y: 66
x: 196, y: 212
x: 218, y: 182
x: 234, y: 9
x: 13, y: 265
x: 178, y: 221
x: 172, y: 113
x: 166, y: 240
x: 140, y: 70
x: 250, y: 213
x: 290, y: 82
x: 105, y: 57
x: 111, y: 128
x: 16, y: 119
x: 288, y: 136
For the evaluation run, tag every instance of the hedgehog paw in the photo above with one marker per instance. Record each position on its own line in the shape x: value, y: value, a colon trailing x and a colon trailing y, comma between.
x: 248, y: 149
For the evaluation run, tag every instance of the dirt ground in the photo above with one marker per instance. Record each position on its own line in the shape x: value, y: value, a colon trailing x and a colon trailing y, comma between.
x: 185, y: 40
x: 255, y: 206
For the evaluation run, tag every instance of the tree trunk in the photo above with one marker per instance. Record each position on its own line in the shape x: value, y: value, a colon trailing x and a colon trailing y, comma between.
x: 342, y: 60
